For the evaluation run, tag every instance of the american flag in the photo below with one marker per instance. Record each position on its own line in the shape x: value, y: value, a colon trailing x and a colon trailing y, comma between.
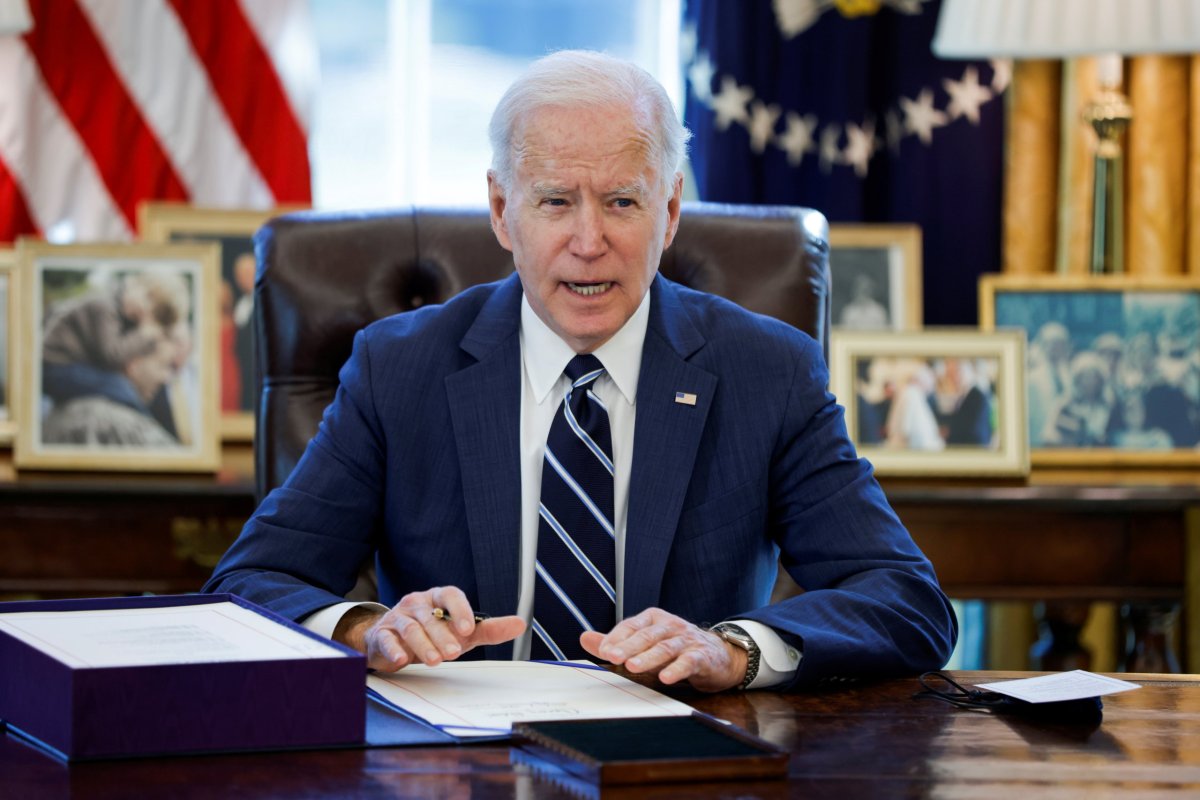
x: 107, y: 103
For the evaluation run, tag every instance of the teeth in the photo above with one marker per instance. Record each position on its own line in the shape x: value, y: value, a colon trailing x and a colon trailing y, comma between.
x: 589, y: 289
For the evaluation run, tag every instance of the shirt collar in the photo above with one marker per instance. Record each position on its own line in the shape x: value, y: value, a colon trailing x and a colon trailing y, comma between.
x: 546, y: 355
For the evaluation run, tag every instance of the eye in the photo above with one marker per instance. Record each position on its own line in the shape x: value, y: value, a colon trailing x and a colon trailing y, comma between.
x: 623, y: 202
x: 556, y: 202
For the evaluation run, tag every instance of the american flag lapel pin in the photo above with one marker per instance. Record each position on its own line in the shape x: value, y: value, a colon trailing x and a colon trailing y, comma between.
x: 685, y: 398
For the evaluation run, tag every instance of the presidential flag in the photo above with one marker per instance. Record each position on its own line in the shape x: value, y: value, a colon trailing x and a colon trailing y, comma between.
x: 841, y: 105
x: 107, y: 103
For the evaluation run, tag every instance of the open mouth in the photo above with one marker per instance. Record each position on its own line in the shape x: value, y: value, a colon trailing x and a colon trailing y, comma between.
x: 589, y: 289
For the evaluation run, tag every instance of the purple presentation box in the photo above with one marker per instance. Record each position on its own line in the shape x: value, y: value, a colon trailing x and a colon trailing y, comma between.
x: 113, y: 712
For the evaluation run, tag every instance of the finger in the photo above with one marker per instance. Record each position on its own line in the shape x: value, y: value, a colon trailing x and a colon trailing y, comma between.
x: 436, y: 633
x: 496, y: 630
x: 452, y: 600
x: 612, y: 646
x: 413, y: 635
x: 591, y: 642
x: 384, y: 650
x: 644, y: 639
x: 660, y: 655
x: 691, y: 663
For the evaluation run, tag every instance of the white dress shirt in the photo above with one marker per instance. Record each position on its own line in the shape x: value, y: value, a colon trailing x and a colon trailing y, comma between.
x: 544, y: 356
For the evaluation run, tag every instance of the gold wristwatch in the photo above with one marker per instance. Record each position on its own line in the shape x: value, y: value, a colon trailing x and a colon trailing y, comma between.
x: 737, y: 636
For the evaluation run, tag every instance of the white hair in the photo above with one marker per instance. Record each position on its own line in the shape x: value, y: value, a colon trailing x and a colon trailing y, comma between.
x: 584, y: 78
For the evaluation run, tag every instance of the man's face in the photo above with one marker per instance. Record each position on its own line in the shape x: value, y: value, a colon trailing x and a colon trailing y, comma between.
x: 586, y: 218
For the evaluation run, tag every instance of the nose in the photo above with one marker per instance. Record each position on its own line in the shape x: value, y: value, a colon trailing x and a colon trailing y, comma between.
x: 589, y: 239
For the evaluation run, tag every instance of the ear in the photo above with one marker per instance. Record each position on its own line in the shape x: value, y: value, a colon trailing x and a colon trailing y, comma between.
x: 498, y: 203
x: 673, y: 210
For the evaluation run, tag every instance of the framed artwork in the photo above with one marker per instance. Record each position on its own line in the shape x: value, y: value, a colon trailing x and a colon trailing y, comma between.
x: 8, y: 349
x: 1112, y: 368
x: 936, y: 402
x: 119, y: 357
x: 876, y: 273
x: 233, y: 230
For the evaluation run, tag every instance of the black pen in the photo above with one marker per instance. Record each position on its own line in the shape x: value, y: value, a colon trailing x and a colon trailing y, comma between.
x: 443, y: 614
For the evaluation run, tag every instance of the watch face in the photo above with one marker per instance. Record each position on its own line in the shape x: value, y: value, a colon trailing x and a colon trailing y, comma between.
x: 736, y: 636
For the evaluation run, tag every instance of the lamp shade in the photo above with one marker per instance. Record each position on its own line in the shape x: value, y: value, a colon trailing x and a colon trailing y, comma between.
x: 1065, y: 28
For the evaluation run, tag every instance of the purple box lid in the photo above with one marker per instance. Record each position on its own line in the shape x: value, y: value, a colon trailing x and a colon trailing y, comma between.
x: 103, y: 712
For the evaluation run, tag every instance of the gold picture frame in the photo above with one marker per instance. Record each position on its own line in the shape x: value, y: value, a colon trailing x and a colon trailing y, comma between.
x: 938, y: 402
x: 9, y: 305
x: 1112, y: 368
x: 876, y: 276
x: 233, y: 230
x: 118, y: 367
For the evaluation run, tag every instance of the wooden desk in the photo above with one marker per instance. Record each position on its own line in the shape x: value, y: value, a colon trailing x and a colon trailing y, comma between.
x: 1126, y: 537
x: 1055, y: 537
x: 72, y: 534
x: 869, y: 742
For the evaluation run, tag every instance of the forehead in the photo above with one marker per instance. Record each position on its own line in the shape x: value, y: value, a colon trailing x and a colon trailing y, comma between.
x: 608, y: 139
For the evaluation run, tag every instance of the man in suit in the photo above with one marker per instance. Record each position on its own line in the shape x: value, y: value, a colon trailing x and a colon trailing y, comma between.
x: 723, y: 450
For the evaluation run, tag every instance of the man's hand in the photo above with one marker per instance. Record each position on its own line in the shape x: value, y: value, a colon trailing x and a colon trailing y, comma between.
x: 409, y: 633
x: 656, y: 642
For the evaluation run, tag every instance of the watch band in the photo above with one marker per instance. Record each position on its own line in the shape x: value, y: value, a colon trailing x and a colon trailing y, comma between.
x: 737, y: 636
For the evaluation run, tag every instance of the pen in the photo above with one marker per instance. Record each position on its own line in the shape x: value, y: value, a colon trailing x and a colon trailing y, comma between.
x: 443, y: 614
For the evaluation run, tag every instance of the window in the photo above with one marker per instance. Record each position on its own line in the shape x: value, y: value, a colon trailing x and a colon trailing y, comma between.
x: 407, y: 86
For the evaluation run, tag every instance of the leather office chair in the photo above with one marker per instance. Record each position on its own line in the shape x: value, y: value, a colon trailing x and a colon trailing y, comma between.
x: 323, y: 276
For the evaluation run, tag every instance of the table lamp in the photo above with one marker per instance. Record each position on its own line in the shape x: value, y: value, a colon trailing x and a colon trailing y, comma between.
x: 1110, y: 29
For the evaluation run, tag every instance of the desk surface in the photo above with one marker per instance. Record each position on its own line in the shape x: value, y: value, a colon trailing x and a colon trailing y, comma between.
x: 872, y: 742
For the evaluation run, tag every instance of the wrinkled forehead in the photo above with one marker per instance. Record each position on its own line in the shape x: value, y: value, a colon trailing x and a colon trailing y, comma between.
x: 559, y: 133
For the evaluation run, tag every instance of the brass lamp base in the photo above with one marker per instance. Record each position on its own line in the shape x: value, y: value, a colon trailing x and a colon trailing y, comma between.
x: 1110, y: 115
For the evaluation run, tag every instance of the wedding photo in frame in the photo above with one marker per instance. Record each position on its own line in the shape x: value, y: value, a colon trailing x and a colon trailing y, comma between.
x: 233, y: 230
x: 876, y: 272
x: 118, y: 366
x: 9, y: 300
x: 1112, y: 369
x: 939, y: 402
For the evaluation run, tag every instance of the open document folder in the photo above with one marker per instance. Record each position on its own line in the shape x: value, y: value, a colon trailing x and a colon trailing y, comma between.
x: 468, y: 699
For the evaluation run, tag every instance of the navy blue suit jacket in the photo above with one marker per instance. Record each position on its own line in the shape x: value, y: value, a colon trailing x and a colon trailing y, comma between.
x: 417, y: 461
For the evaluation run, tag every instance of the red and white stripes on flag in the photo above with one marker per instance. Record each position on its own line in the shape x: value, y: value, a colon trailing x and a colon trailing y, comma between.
x: 106, y: 103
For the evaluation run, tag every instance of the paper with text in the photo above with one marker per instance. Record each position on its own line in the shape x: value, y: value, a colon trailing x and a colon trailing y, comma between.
x: 1074, y: 685
x: 484, y: 698
x: 131, y: 637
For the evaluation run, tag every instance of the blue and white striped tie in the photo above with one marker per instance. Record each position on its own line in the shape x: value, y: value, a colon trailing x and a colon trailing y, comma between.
x: 576, y: 552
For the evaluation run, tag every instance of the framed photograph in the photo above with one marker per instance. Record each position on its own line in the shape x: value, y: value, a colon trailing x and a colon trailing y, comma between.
x: 1112, y: 368
x: 233, y: 230
x: 119, y: 357
x: 876, y: 272
x: 937, y: 402
x: 8, y: 338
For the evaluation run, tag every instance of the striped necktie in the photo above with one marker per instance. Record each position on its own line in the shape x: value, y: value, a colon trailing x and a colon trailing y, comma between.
x: 576, y: 552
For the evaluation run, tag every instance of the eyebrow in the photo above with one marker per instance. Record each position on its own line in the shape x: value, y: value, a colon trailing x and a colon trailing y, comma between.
x: 638, y: 189
x: 549, y: 189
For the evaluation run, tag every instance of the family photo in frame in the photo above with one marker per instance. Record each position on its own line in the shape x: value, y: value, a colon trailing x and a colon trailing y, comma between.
x: 233, y: 230
x: 934, y: 402
x: 118, y: 369
x: 876, y: 274
x: 1112, y: 368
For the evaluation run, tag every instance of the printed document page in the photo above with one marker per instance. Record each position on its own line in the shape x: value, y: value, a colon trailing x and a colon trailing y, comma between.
x: 131, y: 637
x: 1074, y: 685
x: 484, y: 698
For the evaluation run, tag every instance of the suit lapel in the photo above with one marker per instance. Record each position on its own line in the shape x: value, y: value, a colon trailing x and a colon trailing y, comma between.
x: 666, y: 438
x: 485, y: 400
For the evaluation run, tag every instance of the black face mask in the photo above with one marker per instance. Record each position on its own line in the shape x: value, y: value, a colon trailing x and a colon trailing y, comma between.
x: 939, y: 686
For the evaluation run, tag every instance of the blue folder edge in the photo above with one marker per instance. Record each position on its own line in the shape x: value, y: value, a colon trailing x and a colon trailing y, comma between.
x: 387, y: 726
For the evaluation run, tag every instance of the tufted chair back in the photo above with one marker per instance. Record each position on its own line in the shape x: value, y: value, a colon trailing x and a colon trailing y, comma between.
x: 323, y: 276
